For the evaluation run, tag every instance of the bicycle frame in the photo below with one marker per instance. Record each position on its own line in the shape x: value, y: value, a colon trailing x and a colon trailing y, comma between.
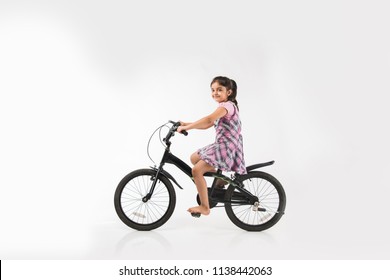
x: 168, y: 157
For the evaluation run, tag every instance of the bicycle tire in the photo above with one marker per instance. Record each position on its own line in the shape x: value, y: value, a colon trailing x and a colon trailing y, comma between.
x: 272, y: 202
x: 141, y: 215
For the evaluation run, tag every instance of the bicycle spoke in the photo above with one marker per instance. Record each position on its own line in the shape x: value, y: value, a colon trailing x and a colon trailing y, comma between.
x: 157, y: 206
x: 131, y: 209
x: 130, y: 196
x: 154, y: 212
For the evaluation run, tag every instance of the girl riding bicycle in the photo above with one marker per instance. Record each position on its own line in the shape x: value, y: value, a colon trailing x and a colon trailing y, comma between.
x: 226, y: 153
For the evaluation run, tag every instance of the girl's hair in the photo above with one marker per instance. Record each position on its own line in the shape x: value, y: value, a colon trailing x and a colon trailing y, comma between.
x: 230, y: 85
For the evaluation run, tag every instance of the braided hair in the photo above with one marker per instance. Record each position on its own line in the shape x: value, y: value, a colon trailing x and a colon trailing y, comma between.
x: 230, y: 85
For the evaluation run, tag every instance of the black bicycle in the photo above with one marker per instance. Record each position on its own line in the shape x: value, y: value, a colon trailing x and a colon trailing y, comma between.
x: 145, y: 198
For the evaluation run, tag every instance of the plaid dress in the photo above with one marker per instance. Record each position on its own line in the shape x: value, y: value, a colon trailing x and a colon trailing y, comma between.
x: 226, y: 153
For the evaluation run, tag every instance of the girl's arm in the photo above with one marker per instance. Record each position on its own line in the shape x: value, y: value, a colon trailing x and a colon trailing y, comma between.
x: 184, y: 123
x: 205, y: 122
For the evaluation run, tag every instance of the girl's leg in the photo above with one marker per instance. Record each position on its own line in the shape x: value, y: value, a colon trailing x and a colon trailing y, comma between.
x: 195, y: 158
x: 200, y: 168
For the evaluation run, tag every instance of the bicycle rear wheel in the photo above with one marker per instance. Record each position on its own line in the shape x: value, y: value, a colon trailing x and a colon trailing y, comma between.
x: 136, y: 213
x: 271, y: 198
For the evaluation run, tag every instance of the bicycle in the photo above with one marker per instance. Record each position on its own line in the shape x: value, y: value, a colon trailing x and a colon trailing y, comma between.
x: 145, y: 198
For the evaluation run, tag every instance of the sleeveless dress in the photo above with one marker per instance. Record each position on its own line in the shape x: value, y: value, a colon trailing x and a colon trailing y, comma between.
x: 226, y: 153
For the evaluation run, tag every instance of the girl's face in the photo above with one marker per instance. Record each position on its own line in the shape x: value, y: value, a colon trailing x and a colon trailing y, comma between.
x: 219, y: 93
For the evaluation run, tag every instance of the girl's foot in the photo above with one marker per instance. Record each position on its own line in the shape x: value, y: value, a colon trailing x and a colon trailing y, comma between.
x: 221, y: 184
x: 199, y: 209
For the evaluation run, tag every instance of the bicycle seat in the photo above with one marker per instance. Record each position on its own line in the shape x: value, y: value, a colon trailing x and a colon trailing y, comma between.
x: 211, y: 174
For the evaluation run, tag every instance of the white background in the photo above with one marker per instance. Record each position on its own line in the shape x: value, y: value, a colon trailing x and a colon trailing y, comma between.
x: 83, y: 84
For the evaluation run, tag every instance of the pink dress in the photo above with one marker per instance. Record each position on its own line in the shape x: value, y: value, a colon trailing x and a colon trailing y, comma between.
x: 226, y: 153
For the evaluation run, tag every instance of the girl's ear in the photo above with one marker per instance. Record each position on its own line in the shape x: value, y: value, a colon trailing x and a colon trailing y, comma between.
x: 229, y: 92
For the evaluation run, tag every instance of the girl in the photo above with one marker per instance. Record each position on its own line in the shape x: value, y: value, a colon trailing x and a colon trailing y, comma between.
x: 226, y: 153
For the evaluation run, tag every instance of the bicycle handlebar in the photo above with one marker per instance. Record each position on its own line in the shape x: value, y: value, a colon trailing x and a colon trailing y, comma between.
x: 175, y: 127
x: 172, y: 131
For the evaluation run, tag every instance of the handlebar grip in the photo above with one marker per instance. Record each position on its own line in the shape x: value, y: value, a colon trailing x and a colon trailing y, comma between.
x: 177, y: 124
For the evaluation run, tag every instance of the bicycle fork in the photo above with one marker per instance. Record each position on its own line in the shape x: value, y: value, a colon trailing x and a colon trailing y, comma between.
x: 154, y: 179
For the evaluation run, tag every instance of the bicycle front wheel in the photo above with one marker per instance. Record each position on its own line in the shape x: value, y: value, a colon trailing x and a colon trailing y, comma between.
x: 270, y: 207
x: 136, y: 213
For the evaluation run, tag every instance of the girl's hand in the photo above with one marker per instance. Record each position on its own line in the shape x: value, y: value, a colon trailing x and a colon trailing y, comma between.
x: 181, y: 128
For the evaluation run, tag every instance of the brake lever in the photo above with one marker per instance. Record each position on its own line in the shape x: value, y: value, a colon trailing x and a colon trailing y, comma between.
x: 176, y: 125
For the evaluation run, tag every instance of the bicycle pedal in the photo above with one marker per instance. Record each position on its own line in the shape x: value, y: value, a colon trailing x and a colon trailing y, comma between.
x: 196, y: 215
